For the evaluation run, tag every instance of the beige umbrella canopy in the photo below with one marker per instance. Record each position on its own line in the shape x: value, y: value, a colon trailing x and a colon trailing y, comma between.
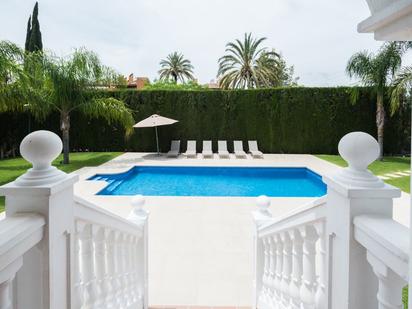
x: 155, y: 121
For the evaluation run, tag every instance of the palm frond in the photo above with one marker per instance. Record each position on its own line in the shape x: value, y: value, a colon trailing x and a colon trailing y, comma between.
x: 176, y: 67
x: 401, y: 85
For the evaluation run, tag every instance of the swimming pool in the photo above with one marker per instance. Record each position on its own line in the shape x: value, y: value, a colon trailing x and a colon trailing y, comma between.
x: 214, y: 181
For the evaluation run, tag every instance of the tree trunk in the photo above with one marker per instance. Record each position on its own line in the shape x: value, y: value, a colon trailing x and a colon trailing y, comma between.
x: 380, y: 122
x: 65, y: 128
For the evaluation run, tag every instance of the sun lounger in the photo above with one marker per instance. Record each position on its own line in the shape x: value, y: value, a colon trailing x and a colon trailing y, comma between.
x: 174, y: 149
x: 222, y: 149
x: 253, y: 150
x: 238, y: 147
x: 207, y: 149
x: 191, y: 149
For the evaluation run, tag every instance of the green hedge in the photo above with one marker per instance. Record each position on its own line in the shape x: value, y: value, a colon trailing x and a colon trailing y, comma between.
x: 284, y: 120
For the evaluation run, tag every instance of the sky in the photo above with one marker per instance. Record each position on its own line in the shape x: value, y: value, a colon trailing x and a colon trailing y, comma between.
x: 317, y: 37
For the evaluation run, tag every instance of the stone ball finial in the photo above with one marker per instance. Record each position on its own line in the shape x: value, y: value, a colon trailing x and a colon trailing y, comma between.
x: 359, y: 150
x: 138, y: 215
x: 263, y: 203
x: 40, y: 148
x: 137, y: 202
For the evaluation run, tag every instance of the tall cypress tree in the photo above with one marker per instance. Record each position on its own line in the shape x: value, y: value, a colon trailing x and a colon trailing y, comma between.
x: 28, y: 34
x: 33, y: 36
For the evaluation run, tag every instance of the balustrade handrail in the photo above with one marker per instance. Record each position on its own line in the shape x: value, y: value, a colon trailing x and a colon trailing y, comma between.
x: 386, y: 239
x: 18, y: 234
x: 309, y: 212
x: 87, y: 211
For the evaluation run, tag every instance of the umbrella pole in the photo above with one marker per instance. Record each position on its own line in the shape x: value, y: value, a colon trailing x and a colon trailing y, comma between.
x: 157, y: 142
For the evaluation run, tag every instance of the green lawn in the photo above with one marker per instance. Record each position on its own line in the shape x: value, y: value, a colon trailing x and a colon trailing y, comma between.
x: 387, y: 165
x: 10, y: 169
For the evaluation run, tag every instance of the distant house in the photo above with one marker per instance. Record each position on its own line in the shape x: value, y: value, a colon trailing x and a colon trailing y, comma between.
x: 213, y: 84
x: 137, y: 82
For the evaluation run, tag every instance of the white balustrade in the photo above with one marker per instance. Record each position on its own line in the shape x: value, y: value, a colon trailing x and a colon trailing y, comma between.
x: 341, y: 251
x: 289, y: 266
x: 59, y: 251
x: 109, y: 257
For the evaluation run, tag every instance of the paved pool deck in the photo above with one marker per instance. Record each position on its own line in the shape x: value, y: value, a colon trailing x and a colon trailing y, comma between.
x: 200, y: 248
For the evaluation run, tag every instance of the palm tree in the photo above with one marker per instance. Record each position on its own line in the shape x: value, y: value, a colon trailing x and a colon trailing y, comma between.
x: 376, y: 71
x: 402, y: 83
x: 74, y: 84
x: 62, y: 85
x: 272, y: 69
x: 14, y: 82
x: 247, y: 65
x: 176, y: 67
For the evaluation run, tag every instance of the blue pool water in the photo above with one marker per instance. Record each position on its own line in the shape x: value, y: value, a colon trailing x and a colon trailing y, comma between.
x: 214, y: 181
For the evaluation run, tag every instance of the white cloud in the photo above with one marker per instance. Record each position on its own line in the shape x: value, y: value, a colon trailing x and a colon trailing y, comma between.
x: 316, y: 36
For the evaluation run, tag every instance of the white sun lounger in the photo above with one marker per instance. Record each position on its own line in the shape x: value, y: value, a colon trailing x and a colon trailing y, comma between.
x: 174, y: 149
x: 222, y: 149
x: 238, y: 147
x: 191, y: 149
x: 253, y: 150
x: 207, y: 149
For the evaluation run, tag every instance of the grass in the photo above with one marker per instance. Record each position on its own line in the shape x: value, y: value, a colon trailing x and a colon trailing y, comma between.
x: 387, y: 165
x: 10, y: 169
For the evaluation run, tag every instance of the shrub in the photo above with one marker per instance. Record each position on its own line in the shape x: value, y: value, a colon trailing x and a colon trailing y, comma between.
x: 282, y: 120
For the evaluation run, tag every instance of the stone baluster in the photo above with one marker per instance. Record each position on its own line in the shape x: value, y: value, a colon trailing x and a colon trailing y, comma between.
x: 87, y: 263
x: 118, y: 246
x: 111, y: 268
x: 78, y: 286
x: 321, y: 292
x: 100, y: 264
x: 134, y: 273
x: 308, y: 288
x: 124, y: 270
x: 390, y: 284
x: 286, y: 269
x: 5, y: 294
x: 129, y: 270
x: 296, y: 280
x: 272, y: 269
x: 263, y: 297
x: 279, y: 268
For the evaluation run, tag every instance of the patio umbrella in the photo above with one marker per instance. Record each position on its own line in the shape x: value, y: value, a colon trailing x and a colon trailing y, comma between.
x: 155, y: 121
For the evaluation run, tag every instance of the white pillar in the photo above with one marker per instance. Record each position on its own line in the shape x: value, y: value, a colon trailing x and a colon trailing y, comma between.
x: 260, y: 216
x: 140, y: 217
x: 42, y: 282
x: 351, y: 192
